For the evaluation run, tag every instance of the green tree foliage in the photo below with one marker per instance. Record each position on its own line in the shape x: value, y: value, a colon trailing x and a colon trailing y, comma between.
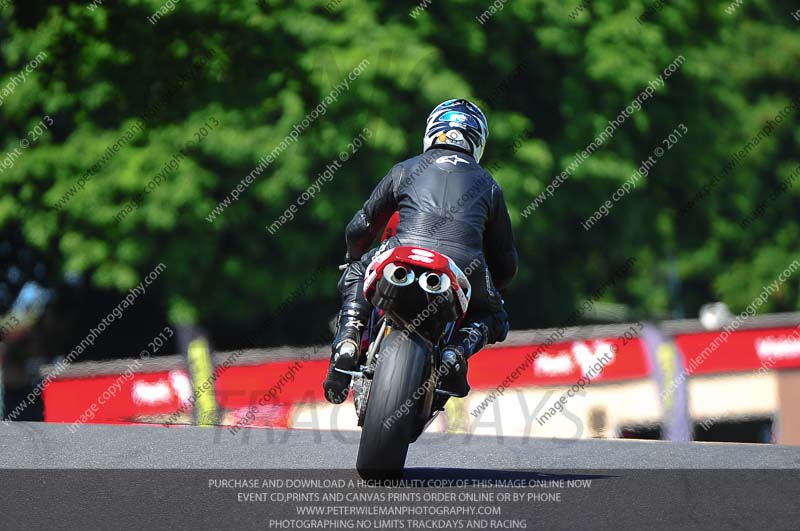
x: 550, y: 77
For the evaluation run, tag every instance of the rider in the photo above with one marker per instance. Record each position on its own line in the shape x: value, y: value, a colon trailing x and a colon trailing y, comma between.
x: 447, y: 203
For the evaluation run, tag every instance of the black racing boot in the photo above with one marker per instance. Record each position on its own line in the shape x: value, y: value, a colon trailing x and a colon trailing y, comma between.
x: 346, y: 347
x: 464, y: 343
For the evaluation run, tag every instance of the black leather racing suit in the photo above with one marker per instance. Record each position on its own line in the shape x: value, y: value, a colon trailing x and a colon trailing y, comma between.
x: 447, y: 203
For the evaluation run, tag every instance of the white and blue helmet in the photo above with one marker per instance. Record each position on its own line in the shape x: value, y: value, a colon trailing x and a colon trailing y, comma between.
x: 457, y: 123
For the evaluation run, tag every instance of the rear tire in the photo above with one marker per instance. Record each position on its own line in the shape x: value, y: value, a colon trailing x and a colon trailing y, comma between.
x: 400, y: 372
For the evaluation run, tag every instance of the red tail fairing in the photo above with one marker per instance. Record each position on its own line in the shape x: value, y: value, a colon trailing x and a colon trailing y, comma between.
x: 419, y: 263
x: 391, y: 226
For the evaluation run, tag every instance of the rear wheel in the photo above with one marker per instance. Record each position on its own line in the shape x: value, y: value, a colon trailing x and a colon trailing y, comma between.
x: 392, y: 410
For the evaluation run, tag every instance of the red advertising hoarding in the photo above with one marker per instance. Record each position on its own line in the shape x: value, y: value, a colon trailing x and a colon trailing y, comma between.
x: 157, y: 396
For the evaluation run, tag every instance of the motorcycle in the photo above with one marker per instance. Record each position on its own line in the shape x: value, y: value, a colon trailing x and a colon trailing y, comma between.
x: 419, y: 298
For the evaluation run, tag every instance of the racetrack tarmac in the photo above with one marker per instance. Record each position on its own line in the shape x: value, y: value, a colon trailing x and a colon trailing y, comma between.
x: 47, y: 445
x: 154, y: 477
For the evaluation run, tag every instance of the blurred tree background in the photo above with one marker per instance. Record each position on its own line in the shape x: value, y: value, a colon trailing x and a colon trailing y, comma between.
x: 549, y: 76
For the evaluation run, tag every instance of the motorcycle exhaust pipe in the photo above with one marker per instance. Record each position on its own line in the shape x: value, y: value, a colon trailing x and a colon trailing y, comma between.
x: 398, y: 275
x: 434, y: 283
